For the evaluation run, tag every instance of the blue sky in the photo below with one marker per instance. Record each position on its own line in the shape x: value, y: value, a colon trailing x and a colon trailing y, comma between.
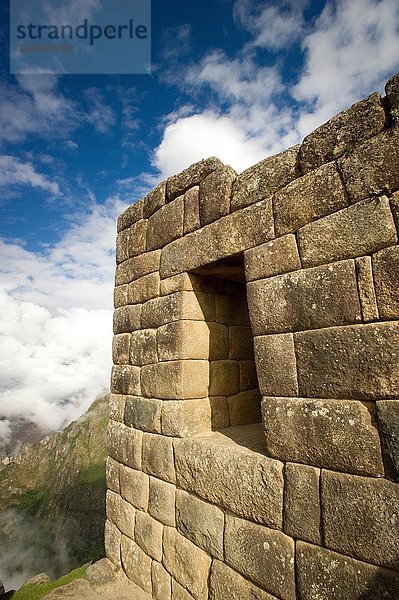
x: 239, y: 79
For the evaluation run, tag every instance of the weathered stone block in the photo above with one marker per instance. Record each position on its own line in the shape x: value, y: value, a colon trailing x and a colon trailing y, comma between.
x: 166, y: 224
x: 263, y: 555
x: 219, y: 412
x: 333, y: 434
x: 112, y: 475
x: 229, y: 235
x: 117, y: 407
x: 121, y: 348
x: 210, y: 467
x: 154, y: 200
x: 392, y: 92
x: 215, y: 194
x: 183, y: 282
x: 124, y: 444
x: 125, y: 379
x: 121, y: 513
x: 143, y: 289
x: 349, y: 362
x: 273, y: 258
x: 372, y: 167
x: 137, y: 267
x: 161, y: 582
x: 386, y: 278
x: 127, y: 319
x: 302, y: 514
x: 122, y: 246
x: 143, y: 413
x: 136, y: 564
x: 360, y: 229
x: 276, y: 365
x: 190, y: 177
x: 176, y: 380
x: 241, y: 343
x: 218, y: 341
x: 138, y: 238
x: 134, y: 486
x: 188, y: 306
x: 360, y: 517
x: 179, y: 592
x: 143, y: 347
x: 157, y: 457
x: 231, y: 310
x: 186, y: 563
x: 161, y: 503
x: 394, y: 201
x: 365, y: 282
x: 113, y: 543
x: 342, y: 133
x: 264, y: 178
x: 226, y: 584
x: 131, y: 215
x: 305, y: 299
x: 183, y: 340
x: 120, y: 296
x: 327, y: 575
x: 248, y: 377
x: 224, y: 378
x: 388, y: 425
x: 191, y: 210
x: 183, y: 419
x: 308, y: 198
x: 148, y: 534
x: 200, y: 522
x: 244, y: 408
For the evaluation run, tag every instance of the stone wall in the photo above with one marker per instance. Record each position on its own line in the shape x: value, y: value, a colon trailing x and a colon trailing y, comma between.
x: 254, y: 432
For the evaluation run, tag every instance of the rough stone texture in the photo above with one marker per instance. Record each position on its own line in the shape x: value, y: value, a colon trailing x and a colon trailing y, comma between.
x: 190, y: 177
x: 179, y: 306
x: 308, y: 198
x: 248, y: 378
x: 241, y: 345
x: 112, y: 539
x: 302, y: 514
x: 386, y: 278
x: 212, y: 465
x: 224, y: 378
x: 388, y: 425
x: 121, y: 348
x: 134, y: 486
x: 263, y: 555
x: 166, y: 224
x: 305, y: 299
x: 231, y: 310
x: 179, y: 592
x: 372, y: 167
x: 148, y: 534
x: 200, y: 522
x: 360, y: 229
x: 154, y: 200
x: 127, y: 319
x: 143, y: 413
x: 226, y: 584
x: 183, y: 419
x: 394, y: 201
x: 138, y: 238
x: 218, y: 341
x: 143, y: 347
x: 333, y: 434
x: 186, y: 563
x: 215, y: 194
x: 137, y: 267
x: 219, y: 412
x: 136, y: 564
x: 276, y: 365
x: 264, y: 178
x: 349, y: 362
x: 229, y: 235
x: 183, y: 340
x: 365, y: 282
x: 124, y: 444
x: 122, y: 246
x: 143, y: 289
x: 342, y: 133
x: 176, y: 380
x: 131, y: 215
x: 158, y: 457
x: 326, y: 575
x: 112, y: 475
x: 161, y: 503
x: 117, y: 407
x: 161, y: 582
x: 273, y: 258
x: 120, y: 296
x: 191, y: 210
x: 392, y: 92
x: 360, y: 517
x: 125, y: 379
x: 121, y: 513
x: 188, y: 282
x: 244, y: 407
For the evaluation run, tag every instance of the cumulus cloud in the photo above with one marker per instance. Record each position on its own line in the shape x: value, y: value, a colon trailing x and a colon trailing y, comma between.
x: 15, y: 172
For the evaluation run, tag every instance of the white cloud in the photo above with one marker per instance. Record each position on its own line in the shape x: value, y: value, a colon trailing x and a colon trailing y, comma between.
x: 100, y: 115
x: 14, y: 172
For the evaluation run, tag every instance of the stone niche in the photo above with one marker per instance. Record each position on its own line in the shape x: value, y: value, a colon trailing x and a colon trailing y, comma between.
x: 253, y: 437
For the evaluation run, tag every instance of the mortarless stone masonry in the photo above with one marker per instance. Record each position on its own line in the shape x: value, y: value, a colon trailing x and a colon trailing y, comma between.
x: 254, y: 423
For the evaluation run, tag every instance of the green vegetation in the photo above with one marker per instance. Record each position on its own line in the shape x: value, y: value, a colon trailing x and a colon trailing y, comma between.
x: 35, y: 592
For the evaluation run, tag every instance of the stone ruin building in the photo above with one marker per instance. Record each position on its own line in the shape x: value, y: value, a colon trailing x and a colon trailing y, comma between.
x: 254, y: 428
